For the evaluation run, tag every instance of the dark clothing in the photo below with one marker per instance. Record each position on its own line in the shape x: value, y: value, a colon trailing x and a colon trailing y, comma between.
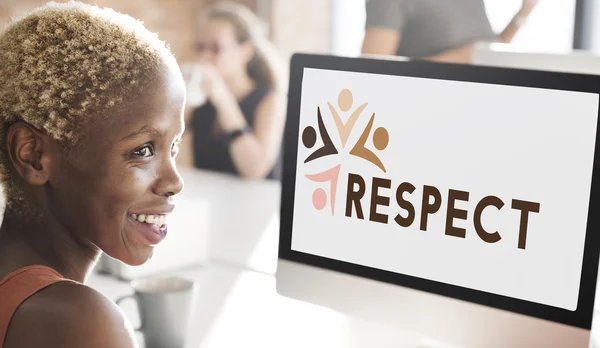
x: 212, y: 151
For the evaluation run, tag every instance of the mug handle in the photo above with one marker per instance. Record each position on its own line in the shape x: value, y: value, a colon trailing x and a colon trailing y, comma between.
x: 126, y: 297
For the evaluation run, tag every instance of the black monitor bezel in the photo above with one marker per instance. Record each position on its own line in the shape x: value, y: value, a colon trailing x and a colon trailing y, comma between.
x: 581, y: 317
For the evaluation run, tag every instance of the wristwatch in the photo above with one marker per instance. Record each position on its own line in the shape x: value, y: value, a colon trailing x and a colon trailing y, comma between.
x: 231, y: 137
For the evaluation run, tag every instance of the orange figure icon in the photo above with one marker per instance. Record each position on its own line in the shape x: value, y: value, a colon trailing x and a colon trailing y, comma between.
x: 381, y: 139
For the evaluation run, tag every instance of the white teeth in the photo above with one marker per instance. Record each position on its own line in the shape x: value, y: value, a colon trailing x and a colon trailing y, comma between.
x: 158, y: 220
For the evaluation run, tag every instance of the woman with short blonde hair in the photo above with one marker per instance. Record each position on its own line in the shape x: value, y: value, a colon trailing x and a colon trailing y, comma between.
x: 91, y: 113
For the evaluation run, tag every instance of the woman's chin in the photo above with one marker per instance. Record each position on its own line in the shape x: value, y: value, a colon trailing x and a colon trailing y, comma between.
x: 138, y: 258
x: 141, y: 258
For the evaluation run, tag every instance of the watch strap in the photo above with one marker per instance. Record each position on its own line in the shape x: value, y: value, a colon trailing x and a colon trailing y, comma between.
x: 231, y: 137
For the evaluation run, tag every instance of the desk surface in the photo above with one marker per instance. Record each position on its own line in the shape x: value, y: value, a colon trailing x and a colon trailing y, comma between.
x: 240, y: 308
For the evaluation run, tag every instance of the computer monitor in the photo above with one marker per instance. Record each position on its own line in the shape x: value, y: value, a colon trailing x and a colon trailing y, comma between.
x: 447, y: 200
x: 507, y: 56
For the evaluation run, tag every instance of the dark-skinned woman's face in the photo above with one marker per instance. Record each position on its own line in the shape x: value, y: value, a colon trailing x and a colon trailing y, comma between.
x: 115, y: 189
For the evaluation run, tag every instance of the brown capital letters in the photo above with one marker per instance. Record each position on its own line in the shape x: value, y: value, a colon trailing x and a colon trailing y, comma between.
x: 453, y: 213
x: 429, y: 208
x: 355, y: 196
x: 525, y: 207
x: 376, y: 200
x: 404, y: 204
x: 483, y: 234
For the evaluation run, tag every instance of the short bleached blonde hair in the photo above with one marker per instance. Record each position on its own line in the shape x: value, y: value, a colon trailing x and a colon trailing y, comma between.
x: 63, y: 65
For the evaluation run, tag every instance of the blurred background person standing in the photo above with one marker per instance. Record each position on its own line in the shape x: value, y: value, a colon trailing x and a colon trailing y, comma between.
x: 443, y: 31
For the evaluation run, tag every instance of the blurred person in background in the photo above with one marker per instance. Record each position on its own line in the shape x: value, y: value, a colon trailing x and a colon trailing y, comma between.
x: 239, y: 129
x: 437, y: 30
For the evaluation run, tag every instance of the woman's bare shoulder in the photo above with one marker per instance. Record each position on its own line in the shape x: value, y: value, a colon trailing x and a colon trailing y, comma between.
x: 69, y: 315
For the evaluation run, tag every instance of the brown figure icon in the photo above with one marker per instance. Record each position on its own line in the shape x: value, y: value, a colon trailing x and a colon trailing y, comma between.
x: 345, y: 102
x: 309, y: 139
x: 381, y: 139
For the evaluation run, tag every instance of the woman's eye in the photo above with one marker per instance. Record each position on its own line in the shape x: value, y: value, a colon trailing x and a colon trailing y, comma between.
x: 145, y: 151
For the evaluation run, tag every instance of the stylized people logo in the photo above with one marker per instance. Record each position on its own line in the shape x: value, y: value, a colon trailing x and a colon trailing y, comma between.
x: 309, y: 140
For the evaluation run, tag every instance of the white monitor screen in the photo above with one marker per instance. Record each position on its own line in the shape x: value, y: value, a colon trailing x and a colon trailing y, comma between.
x: 470, y: 189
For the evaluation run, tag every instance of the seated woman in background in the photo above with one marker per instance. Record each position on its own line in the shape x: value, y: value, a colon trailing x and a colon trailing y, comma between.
x: 443, y: 31
x: 91, y: 112
x: 240, y: 129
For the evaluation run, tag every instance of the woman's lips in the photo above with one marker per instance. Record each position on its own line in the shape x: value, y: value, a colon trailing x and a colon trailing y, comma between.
x: 153, y: 230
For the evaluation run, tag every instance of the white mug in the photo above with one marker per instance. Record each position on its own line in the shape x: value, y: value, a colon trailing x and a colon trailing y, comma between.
x: 192, y: 75
x: 164, y: 307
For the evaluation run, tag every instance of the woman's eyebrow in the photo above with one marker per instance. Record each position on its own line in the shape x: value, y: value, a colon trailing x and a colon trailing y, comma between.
x: 143, y: 131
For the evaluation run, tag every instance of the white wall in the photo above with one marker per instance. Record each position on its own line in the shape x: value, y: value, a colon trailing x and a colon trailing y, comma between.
x: 549, y: 28
x: 348, y: 27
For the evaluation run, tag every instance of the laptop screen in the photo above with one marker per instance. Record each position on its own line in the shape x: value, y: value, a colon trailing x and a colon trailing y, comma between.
x: 468, y: 182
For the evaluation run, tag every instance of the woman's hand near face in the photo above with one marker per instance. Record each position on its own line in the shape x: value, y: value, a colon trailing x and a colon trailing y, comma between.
x: 229, y: 114
x: 213, y: 84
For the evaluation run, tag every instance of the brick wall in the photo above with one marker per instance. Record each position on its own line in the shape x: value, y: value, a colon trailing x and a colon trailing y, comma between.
x: 295, y: 25
x: 301, y: 26
x: 172, y: 19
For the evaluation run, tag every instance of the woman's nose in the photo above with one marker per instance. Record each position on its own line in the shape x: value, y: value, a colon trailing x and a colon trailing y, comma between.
x: 169, y: 182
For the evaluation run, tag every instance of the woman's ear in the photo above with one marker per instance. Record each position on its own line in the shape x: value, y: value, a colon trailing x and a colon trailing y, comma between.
x: 30, y: 152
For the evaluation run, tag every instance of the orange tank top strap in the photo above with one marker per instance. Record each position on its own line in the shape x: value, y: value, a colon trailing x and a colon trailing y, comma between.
x: 18, y: 286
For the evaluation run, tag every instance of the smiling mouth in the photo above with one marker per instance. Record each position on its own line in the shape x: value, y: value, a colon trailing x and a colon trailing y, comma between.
x: 158, y: 220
